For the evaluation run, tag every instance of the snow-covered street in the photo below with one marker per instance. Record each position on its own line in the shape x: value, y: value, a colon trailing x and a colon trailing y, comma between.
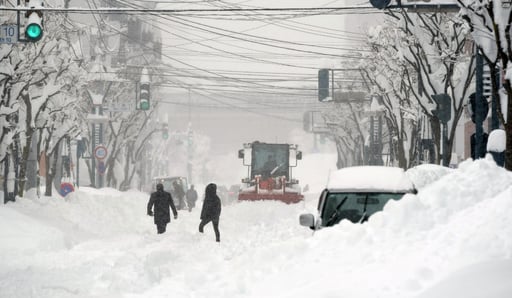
x: 453, y: 239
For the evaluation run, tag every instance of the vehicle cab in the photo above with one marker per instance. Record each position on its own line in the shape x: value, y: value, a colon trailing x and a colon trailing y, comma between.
x: 356, y: 193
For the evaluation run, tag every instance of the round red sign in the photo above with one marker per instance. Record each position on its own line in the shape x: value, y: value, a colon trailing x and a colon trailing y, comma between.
x: 100, y: 152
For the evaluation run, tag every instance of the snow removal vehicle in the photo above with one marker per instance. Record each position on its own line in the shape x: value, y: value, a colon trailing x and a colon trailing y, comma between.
x: 269, y: 172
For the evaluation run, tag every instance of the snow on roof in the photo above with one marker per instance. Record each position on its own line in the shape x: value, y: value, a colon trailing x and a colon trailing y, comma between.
x: 375, y: 178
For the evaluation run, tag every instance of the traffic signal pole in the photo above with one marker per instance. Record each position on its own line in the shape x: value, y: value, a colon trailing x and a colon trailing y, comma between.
x: 443, y: 112
x: 479, y: 106
x: 446, y: 162
x: 332, y: 84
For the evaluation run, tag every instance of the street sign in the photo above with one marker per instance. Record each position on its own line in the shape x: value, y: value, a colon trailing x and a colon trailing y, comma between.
x: 100, y: 152
x: 65, y: 188
x: 118, y: 107
x: 101, y: 168
x: 9, y: 33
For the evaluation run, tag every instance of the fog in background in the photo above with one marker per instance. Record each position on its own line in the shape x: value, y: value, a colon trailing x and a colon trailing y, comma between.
x: 232, y: 113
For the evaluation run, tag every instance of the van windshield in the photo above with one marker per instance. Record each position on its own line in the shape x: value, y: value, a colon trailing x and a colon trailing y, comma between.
x: 356, y: 207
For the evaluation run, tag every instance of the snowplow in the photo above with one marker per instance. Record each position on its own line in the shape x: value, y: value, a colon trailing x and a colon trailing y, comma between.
x: 269, y: 172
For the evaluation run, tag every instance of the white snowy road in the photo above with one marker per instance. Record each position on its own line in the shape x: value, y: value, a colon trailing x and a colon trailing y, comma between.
x: 112, y: 248
x: 100, y: 243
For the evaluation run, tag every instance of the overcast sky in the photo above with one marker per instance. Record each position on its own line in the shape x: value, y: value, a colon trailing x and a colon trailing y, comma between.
x: 269, y: 64
x: 267, y: 61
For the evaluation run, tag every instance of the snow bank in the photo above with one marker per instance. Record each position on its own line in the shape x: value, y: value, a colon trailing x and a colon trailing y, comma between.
x: 22, y: 234
x: 452, y: 239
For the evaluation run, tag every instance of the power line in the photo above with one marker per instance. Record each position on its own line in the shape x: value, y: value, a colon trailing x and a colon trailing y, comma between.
x: 296, y: 28
x: 234, y: 35
x: 118, y: 10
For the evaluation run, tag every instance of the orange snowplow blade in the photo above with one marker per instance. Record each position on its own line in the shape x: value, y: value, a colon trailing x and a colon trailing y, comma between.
x: 288, y: 198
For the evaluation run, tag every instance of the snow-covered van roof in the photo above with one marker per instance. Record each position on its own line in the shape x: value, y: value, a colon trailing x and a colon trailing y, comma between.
x: 370, y: 178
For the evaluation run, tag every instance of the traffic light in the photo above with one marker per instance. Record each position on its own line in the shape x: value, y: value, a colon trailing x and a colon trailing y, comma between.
x: 144, y: 96
x: 483, y: 108
x: 165, y: 132
x: 34, y: 20
x: 323, y: 84
x: 444, y: 110
x: 380, y: 4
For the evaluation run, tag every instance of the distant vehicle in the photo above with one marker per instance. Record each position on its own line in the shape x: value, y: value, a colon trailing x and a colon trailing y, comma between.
x: 233, y: 192
x: 356, y: 193
x: 168, y: 182
x: 269, y: 174
x: 222, y: 192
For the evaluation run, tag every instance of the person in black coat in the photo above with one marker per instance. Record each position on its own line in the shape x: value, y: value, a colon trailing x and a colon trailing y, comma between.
x: 162, y: 200
x: 211, y: 210
x: 180, y: 194
x: 191, y: 198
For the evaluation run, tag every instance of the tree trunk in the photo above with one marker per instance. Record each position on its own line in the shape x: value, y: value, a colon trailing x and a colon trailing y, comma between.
x: 402, y: 160
x: 49, y: 175
x: 25, y: 160
x: 51, y: 169
x: 23, y: 167
x: 127, y: 177
x: 341, y: 160
x: 508, y: 133
x: 111, y: 177
x: 436, y: 136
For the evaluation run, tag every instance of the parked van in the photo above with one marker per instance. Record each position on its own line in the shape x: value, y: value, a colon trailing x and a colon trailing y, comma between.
x: 356, y: 193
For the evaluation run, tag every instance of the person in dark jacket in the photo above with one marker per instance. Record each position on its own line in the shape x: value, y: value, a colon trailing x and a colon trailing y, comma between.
x: 162, y: 200
x: 180, y: 194
x: 211, y: 210
x: 191, y: 198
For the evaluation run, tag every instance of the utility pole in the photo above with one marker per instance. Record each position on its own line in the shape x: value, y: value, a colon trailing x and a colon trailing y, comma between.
x: 98, y: 120
x: 479, y: 117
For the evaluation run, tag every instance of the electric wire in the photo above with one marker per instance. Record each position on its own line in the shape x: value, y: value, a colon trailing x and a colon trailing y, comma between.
x: 195, y: 68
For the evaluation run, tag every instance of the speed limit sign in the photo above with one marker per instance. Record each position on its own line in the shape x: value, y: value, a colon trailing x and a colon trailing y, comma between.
x: 100, y: 152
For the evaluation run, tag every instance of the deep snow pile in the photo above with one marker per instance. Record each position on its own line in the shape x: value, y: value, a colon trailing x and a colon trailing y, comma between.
x: 452, y: 239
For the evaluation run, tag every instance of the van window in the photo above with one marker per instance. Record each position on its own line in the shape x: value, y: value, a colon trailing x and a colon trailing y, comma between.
x: 356, y: 207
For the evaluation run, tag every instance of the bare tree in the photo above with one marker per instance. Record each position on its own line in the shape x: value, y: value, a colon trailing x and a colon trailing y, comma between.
x: 415, y: 56
x: 490, y: 22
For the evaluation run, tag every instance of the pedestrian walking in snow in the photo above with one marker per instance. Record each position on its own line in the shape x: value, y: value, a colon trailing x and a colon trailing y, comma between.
x: 211, y: 210
x: 180, y: 194
x: 191, y: 198
x: 161, y: 200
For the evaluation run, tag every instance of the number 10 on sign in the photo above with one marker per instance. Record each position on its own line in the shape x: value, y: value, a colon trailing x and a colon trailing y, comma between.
x: 8, y: 33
